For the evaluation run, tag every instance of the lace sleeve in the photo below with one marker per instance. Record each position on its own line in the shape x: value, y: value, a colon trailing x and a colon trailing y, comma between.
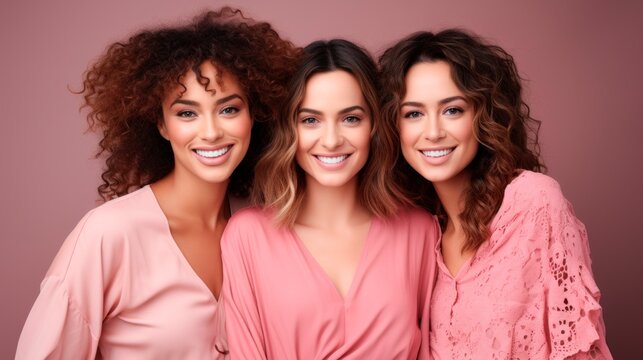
x: 575, y: 323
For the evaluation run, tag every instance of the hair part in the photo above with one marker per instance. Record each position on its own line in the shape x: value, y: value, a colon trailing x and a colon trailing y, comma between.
x: 508, y: 135
x: 280, y: 182
x: 124, y: 90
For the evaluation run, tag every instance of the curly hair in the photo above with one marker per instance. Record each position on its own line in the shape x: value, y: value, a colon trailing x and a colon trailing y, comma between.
x: 124, y: 90
x: 508, y: 135
x: 283, y: 184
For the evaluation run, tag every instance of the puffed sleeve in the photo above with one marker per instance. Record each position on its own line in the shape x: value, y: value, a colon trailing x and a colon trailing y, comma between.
x: 65, y: 321
x: 243, y: 326
x: 575, y: 323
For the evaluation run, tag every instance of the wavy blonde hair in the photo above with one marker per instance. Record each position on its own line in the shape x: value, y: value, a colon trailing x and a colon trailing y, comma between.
x: 280, y: 182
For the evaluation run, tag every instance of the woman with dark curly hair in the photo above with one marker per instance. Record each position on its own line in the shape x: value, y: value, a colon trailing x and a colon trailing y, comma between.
x: 332, y: 267
x: 139, y: 276
x: 514, y: 277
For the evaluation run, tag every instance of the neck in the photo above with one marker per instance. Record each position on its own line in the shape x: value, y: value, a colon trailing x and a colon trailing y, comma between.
x: 190, y: 197
x: 331, y: 207
x: 452, y: 196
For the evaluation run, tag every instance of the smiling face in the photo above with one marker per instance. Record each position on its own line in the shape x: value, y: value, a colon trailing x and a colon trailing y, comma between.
x: 436, y: 124
x: 209, y: 130
x: 333, y: 129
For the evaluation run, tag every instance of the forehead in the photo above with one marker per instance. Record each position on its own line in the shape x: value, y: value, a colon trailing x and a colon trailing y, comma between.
x: 429, y: 79
x: 211, y: 78
x: 332, y: 89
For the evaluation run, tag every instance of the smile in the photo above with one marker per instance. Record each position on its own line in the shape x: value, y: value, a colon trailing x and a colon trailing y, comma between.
x: 213, y: 153
x: 437, y: 153
x: 331, y: 160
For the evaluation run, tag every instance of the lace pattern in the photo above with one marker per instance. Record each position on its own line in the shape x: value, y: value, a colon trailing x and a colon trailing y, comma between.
x: 528, y: 292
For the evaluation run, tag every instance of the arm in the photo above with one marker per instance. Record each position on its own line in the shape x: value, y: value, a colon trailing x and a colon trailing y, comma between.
x: 65, y: 321
x: 243, y: 325
x: 427, y: 271
x: 575, y: 323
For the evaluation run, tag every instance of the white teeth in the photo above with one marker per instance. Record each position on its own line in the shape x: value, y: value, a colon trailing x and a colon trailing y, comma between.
x: 332, y: 159
x: 213, y: 153
x: 436, y: 153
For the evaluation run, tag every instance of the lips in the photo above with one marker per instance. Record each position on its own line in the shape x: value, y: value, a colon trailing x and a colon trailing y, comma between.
x: 210, y: 154
x: 332, y: 160
x: 437, y: 153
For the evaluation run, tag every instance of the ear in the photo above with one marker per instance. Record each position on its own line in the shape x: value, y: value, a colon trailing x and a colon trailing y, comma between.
x: 163, y: 129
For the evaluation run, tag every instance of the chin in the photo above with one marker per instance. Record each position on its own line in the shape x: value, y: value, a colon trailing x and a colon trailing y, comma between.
x: 331, y: 181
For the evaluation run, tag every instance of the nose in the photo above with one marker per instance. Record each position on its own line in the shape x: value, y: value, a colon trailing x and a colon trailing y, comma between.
x: 433, y: 130
x: 332, y: 136
x: 211, y: 129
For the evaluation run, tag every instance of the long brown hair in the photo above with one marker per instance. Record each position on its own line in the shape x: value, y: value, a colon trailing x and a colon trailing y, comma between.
x: 508, y: 135
x: 280, y: 182
x: 124, y: 90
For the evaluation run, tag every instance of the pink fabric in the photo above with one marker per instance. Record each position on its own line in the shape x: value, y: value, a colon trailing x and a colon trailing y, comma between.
x: 120, y: 288
x: 280, y: 304
x: 528, y: 292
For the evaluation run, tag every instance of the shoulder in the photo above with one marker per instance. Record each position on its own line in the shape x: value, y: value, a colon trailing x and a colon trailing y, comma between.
x: 532, y: 189
x: 249, y: 225
x: 415, y: 217
x: 414, y: 223
x: 121, y: 215
x: 248, y: 217
x: 101, y: 236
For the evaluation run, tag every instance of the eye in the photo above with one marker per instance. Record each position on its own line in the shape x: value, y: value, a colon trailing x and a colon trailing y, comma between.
x: 229, y: 110
x: 453, y: 111
x: 412, y: 114
x: 186, y: 114
x: 309, y: 121
x: 352, y: 120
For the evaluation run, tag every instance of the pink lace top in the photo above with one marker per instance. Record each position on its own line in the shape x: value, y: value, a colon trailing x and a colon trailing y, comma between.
x: 528, y: 292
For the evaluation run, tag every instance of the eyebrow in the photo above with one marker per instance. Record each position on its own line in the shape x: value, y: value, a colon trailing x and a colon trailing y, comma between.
x: 441, y: 102
x: 196, y: 103
x: 343, y: 111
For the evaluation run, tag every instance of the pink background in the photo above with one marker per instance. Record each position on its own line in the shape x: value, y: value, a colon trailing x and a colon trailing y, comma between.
x: 582, y: 60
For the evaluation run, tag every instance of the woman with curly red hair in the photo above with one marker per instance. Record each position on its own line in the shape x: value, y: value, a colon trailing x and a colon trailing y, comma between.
x: 184, y: 112
x: 514, y: 277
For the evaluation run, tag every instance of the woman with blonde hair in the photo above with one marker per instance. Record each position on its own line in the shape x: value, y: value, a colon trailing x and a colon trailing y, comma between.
x: 332, y: 267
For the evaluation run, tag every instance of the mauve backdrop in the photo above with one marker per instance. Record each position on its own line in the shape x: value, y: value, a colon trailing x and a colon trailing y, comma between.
x: 582, y: 61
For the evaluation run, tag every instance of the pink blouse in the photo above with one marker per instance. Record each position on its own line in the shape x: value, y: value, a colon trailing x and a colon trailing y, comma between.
x: 280, y: 304
x: 120, y: 288
x: 528, y: 292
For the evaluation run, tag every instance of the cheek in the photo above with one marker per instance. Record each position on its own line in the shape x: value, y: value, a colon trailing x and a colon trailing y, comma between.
x: 463, y: 131
x: 408, y: 134
x: 240, y: 129
x: 305, y: 139
x: 178, y: 133
x: 362, y: 138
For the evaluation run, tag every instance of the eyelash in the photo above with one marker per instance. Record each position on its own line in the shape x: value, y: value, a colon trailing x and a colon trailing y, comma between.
x: 230, y: 110
x: 412, y: 114
x: 186, y: 114
x: 309, y: 121
x: 352, y: 120
x: 451, y: 111
x: 456, y: 111
x: 225, y: 110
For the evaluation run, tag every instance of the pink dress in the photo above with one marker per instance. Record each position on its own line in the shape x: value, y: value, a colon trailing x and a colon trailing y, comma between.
x: 528, y: 292
x: 120, y: 288
x: 280, y: 304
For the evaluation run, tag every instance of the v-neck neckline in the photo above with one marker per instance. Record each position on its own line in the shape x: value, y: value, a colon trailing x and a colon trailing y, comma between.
x: 345, y: 300
x: 177, y: 250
